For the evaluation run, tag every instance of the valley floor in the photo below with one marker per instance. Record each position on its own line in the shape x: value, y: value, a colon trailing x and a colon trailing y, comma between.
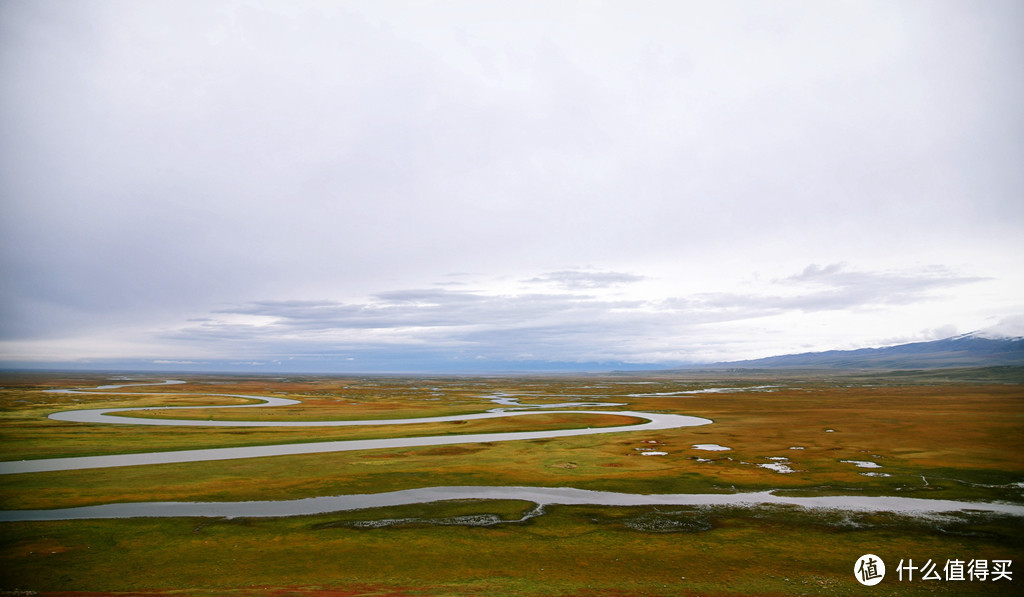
x: 803, y: 436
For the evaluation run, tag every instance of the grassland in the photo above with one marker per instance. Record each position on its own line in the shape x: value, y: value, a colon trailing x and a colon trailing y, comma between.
x: 26, y: 433
x: 936, y: 438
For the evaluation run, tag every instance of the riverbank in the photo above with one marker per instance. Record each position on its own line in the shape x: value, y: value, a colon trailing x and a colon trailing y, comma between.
x: 936, y: 442
x: 541, y: 496
x: 455, y: 548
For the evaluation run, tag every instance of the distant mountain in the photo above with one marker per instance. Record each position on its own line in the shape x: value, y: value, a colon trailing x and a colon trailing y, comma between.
x: 967, y: 350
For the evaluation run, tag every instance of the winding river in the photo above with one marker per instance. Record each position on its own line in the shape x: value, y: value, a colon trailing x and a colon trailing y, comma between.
x: 540, y: 495
x: 655, y: 421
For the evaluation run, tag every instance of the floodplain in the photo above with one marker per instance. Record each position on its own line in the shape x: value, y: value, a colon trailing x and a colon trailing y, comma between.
x: 954, y: 436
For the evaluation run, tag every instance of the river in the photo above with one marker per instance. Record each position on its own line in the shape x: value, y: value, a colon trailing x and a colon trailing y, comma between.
x: 318, y: 505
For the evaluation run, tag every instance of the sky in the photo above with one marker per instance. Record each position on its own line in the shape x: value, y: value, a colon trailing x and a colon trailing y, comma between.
x: 369, y: 186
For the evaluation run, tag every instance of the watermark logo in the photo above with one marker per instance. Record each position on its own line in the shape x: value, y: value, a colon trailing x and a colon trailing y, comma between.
x: 957, y: 570
x: 869, y: 569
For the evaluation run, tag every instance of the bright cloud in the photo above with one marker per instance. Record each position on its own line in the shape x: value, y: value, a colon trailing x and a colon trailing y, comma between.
x: 400, y: 185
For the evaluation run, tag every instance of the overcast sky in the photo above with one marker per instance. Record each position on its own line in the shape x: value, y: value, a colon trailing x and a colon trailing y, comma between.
x: 384, y: 185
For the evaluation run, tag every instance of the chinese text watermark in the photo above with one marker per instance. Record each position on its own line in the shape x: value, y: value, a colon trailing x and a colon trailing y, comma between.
x: 956, y: 570
x: 870, y: 570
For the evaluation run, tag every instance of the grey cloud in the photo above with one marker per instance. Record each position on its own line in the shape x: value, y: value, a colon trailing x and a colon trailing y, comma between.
x: 459, y: 324
x: 825, y: 288
x: 560, y: 325
x: 425, y: 308
x: 834, y: 286
x: 581, y: 279
x: 543, y: 326
x: 816, y: 272
x: 162, y: 159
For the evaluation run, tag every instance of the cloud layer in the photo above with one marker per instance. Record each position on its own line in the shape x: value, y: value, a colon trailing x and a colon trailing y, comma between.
x: 185, y: 180
x: 464, y: 326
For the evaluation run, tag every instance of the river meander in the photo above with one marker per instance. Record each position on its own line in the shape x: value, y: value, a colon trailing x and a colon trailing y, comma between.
x: 655, y: 421
x: 542, y: 496
x: 319, y: 505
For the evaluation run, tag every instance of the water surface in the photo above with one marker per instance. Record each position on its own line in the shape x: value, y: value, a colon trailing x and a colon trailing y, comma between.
x: 655, y: 421
x: 541, y: 496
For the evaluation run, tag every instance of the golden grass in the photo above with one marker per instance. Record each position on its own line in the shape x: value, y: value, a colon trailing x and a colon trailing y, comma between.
x: 26, y: 433
x: 960, y: 439
x: 954, y: 441
x: 567, y: 551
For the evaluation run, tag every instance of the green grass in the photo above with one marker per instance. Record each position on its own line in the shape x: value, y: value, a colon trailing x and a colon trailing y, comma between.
x: 26, y: 433
x: 568, y: 550
x: 959, y: 440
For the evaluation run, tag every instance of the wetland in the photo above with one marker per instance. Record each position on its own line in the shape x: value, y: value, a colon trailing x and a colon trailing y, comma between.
x: 951, y: 450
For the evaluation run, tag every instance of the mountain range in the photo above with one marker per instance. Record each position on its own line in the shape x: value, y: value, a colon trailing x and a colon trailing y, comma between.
x: 966, y: 350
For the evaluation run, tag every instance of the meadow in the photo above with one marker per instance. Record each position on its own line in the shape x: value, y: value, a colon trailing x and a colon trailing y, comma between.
x: 956, y: 436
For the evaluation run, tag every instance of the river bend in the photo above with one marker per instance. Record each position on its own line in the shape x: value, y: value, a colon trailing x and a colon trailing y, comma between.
x: 318, y: 505
x: 655, y: 421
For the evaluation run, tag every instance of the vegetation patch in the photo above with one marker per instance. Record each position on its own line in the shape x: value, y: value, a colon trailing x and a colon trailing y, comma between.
x: 935, y: 438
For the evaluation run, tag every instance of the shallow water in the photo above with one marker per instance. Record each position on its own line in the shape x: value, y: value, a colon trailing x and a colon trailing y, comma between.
x: 706, y: 391
x: 710, y: 447
x: 538, y: 495
x: 779, y: 467
x: 862, y: 463
x: 655, y: 421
